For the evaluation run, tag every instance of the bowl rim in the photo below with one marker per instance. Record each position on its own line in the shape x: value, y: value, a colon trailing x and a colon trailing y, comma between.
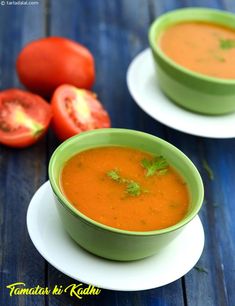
x: 156, y: 48
x: 66, y: 204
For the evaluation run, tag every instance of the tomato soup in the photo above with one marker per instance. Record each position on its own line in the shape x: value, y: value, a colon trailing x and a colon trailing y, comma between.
x: 202, y: 47
x: 125, y: 188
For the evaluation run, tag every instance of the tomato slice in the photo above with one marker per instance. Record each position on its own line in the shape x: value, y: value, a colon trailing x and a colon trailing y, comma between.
x: 24, y: 118
x: 76, y: 110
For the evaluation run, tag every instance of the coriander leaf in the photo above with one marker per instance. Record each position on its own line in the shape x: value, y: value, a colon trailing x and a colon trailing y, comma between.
x: 227, y: 44
x: 156, y: 165
x: 146, y: 163
x: 162, y: 172
x: 208, y: 169
x: 133, y: 188
x: 114, y: 175
x: 200, y: 269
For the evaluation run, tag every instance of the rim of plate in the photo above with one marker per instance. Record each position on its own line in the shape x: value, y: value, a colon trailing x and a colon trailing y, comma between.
x: 31, y: 226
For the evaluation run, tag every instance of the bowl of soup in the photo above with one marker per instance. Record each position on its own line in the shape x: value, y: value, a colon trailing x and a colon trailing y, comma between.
x: 123, y: 194
x: 194, y: 55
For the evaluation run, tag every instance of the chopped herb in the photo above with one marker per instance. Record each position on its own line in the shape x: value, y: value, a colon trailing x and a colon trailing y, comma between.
x: 208, y: 169
x: 114, y: 175
x: 201, y: 269
x: 158, y: 165
x: 174, y: 205
x: 132, y: 188
x: 217, y: 55
x: 220, y: 58
x: 162, y: 172
x: 227, y: 44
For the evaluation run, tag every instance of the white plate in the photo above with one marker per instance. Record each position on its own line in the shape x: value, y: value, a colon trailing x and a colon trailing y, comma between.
x: 53, y: 243
x: 142, y: 84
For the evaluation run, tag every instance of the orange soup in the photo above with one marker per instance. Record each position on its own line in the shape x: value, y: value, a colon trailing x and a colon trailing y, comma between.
x: 202, y: 47
x: 125, y: 188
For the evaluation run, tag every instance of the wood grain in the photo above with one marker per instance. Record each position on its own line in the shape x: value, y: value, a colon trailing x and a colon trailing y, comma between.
x: 21, y: 171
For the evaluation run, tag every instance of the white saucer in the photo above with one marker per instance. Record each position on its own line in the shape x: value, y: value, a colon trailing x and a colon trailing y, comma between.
x: 53, y: 243
x: 142, y: 85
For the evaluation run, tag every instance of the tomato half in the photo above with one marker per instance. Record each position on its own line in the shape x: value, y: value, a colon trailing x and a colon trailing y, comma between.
x: 24, y: 118
x: 46, y: 63
x: 76, y: 110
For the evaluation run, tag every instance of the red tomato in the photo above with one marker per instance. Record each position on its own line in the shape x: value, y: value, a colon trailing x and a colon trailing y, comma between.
x: 76, y: 110
x: 46, y: 63
x: 24, y: 118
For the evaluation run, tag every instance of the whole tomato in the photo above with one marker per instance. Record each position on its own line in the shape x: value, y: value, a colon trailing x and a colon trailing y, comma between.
x: 46, y: 63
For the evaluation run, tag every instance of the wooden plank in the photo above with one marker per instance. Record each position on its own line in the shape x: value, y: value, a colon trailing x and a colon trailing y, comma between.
x: 205, y: 288
x: 163, y: 6
x: 213, y: 287
x: 228, y: 5
x: 200, y: 3
x: 220, y: 230
x: 21, y: 171
x: 115, y: 35
x: 190, y: 145
x: 115, y: 31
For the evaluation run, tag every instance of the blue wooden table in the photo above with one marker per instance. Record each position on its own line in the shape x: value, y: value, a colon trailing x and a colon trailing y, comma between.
x: 115, y: 31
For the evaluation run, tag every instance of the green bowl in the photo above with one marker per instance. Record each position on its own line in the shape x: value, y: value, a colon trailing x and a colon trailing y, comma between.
x: 110, y: 242
x: 192, y: 90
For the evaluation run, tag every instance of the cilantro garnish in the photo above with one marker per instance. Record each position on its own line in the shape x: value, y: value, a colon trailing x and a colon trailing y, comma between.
x: 200, y: 269
x: 158, y: 165
x: 226, y: 44
x: 208, y: 169
x: 114, y: 175
x: 132, y: 188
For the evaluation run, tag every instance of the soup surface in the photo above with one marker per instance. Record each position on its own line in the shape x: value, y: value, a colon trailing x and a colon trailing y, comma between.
x: 202, y: 47
x: 125, y: 188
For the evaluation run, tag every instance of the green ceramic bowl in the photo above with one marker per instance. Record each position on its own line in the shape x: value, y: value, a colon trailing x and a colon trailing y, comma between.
x: 110, y: 242
x: 192, y: 90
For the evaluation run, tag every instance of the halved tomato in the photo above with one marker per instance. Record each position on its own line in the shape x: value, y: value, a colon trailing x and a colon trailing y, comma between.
x: 24, y: 118
x: 76, y: 110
